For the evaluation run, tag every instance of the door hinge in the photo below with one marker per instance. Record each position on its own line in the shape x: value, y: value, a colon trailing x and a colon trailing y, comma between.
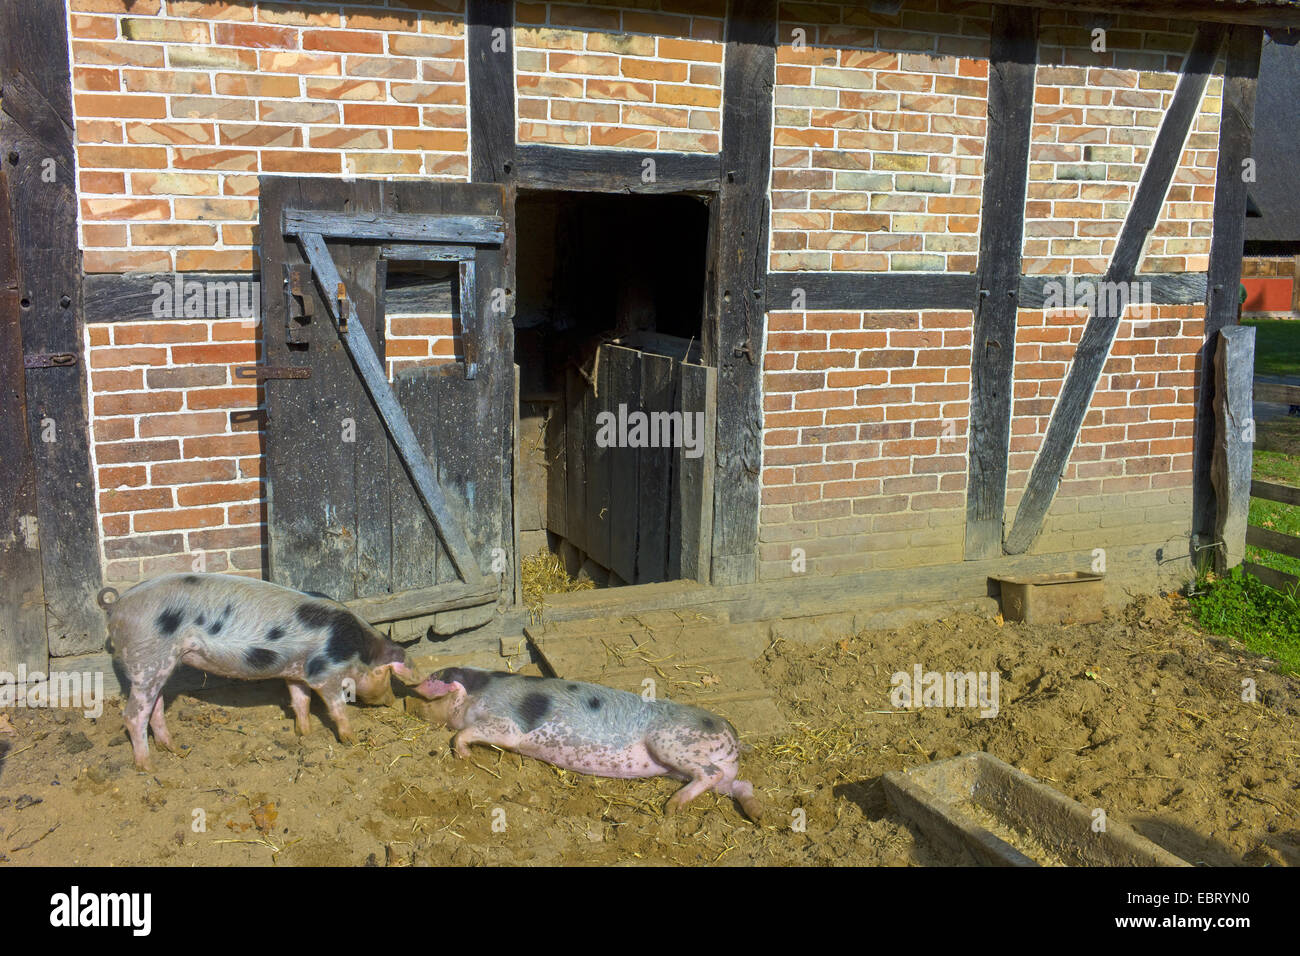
x: 49, y: 360
x: 263, y: 372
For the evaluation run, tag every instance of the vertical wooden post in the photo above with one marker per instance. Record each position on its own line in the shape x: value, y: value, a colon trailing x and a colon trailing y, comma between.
x: 1223, y: 297
x: 1234, y: 375
x: 1014, y: 63
x: 749, y: 81
x: 36, y: 144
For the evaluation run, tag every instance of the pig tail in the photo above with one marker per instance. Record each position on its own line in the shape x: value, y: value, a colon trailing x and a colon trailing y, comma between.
x: 102, y: 598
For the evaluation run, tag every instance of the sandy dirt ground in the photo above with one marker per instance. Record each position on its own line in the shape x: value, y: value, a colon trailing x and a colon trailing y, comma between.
x: 1140, y: 715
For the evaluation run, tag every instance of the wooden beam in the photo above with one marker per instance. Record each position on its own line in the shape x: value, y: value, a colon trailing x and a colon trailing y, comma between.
x: 1271, y: 491
x: 1099, y: 332
x: 1169, y: 288
x: 1278, y: 580
x: 153, y: 296
x: 614, y: 170
x: 1236, y: 130
x: 1260, y: 13
x: 491, y: 39
x: 1013, y: 65
x: 36, y: 143
x: 395, y: 226
x: 869, y: 290
x: 22, y: 597
x: 749, y: 80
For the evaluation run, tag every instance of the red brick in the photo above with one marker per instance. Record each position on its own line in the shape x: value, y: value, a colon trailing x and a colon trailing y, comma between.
x: 178, y: 519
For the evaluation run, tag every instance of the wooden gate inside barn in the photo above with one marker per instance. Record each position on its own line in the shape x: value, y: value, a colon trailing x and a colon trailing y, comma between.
x: 394, y: 496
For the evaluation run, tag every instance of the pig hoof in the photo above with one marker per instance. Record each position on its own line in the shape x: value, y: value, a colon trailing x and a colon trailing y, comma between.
x: 349, y: 739
x: 752, y: 809
x: 144, y: 766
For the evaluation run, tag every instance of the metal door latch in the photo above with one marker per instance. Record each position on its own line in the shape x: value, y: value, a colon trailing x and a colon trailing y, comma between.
x: 264, y: 372
x: 49, y: 360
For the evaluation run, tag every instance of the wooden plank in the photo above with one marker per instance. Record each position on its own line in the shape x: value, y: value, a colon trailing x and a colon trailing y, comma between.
x: 375, y: 382
x: 22, y: 593
x: 556, y: 450
x: 599, y: 464
x: 1234, y: 364
x: 363, y: 272
x: 614, y: 170
x: 395, y: 226
x: 490, y: 47
x: 416, y: 548
x: 1170, y: 288
x: 575, y: 442
x: 625, y: 462
x: 1277, y: 393
x: 1236, y: 131
x: 381, y: 608
x: 1279, y: 580
x: 1261, y: 13
x: 867, y: 290
x: 152, y: 297
x: 1271, y: 491
x: 693, y: 496
x: 312, y: 510
x: 1094, y: 346
x: 748, y: 79
x: 37, y: 146
x: 655, y: 474
x: 1014, y: 62
x: 1274, y: 541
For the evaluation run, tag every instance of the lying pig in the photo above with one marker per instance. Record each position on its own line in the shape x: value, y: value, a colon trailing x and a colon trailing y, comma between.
x: 591, y: 729
x: 241, y: 627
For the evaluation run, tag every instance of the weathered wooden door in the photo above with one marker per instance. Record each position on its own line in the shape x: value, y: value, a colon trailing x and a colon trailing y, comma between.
x: 22, y: 595
x: 398, y: 494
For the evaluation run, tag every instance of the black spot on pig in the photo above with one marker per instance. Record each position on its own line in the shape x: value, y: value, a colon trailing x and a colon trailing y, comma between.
x: 191, y: 579
x: 532, y: 710
x: 709, y: 724
x: 572, y: 688
x: 593, y: 703
x: 315, y: 667
x: 348, y: 638
x: 275, y: 633
x: 200, y: 621
x: 259, y: 658
x: 169, y: 621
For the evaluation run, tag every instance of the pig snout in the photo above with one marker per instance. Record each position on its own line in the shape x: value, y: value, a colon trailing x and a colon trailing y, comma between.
x: 245, y: 628
x: 431, y: 688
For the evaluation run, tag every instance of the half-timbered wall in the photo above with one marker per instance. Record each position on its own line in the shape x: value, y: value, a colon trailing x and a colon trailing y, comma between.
x: 878, y: 154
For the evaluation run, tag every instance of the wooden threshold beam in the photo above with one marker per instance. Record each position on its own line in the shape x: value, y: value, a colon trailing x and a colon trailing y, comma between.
x: 1268, y: 13
x: 539, y: 166
x: 1099, y: 332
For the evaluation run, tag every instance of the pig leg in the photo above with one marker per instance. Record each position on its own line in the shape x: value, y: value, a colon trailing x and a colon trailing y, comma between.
x: 159, y: 724
x: 497, y: 733
x: 743, y: 792
x: 336, y: 703
x: 139, y: 706
x: 300, y: 701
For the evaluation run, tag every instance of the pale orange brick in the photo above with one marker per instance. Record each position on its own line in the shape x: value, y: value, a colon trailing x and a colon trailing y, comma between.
x: 343, y: 41
x: 248, y: 35
x: 288, y: 161
x: 241, y: 84
x: 174, y: 134
x: 215, y: 260
x: 116, y: 260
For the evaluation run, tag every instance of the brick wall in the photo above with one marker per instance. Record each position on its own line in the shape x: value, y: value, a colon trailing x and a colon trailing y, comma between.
x: 180, y: 104
x: 175, y: 477
x: 602, y: 75
x: 865, y: 440
x: 1129, y: 477
x: 418, y: 340
x: 878, y: 148
x: 1095, y: 120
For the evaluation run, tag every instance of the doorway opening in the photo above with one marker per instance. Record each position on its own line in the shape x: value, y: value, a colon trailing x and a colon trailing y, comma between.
x: 616, y: 407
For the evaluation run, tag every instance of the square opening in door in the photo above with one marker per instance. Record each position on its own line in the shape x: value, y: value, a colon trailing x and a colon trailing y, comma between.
x: 616, y: 403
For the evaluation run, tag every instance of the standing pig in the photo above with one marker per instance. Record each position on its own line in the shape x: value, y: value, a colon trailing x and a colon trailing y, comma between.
x: 591, y: 729
x: 241, y: 627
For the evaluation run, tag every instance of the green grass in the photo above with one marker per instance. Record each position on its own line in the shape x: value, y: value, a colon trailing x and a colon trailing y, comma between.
x: 1277, y: 346
x: 1240, y: 606
x: 1277, y: 459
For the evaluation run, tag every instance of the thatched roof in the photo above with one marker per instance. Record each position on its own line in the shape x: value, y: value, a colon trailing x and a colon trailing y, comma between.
x: 1276, y: 147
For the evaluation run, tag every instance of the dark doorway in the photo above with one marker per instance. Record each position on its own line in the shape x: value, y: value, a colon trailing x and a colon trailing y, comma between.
x: 609, y: 308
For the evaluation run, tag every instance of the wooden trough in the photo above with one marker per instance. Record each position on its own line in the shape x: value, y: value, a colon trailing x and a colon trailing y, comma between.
x: 994, y: 815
